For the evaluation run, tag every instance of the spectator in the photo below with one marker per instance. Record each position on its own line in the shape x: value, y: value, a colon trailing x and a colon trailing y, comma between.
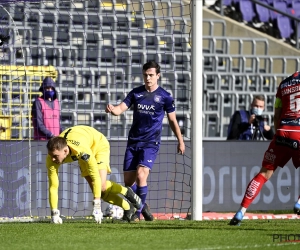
x: 46, y: 112
x: 250, y: 125
x: 284, y: 146
x: 150, y: 102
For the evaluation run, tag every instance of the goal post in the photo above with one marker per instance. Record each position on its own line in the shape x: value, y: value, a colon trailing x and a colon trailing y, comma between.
x: 197, y: 89
x: 95, y: 51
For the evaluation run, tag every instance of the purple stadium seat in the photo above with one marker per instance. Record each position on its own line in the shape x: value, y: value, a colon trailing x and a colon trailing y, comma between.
x: 262, y: 12
x: 280, y: 5
x: 295, y: 8
x: 295, y: 4
x: 285, y: 27
x: 247, y: 10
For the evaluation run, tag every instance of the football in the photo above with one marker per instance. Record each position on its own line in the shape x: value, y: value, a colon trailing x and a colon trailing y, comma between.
x: 114, y: 212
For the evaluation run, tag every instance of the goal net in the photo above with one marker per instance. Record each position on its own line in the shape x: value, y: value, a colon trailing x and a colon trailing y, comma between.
x: 94, y: 50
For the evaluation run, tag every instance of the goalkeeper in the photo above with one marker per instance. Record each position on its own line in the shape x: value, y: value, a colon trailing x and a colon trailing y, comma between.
x: 92, y: 151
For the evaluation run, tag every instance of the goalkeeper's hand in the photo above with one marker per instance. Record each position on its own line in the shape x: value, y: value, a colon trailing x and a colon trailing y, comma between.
x: 55, y: 217
x: 97, y: 213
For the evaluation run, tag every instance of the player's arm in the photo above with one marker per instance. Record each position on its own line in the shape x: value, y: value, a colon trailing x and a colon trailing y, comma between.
x: 277, y: 113
x: 87, y: 157
x: 116, y: 110
x: 52, y: 170
x: 176, y: 130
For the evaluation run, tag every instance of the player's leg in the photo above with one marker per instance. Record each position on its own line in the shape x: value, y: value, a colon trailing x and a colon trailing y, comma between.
x: 273, y: 157
x: 112, y: 197
x: 147, y: 157
x: 252, y: 190
x: 108, y: 193
x: 115, y: 199
x: 297, y: 207
x: 142, y: 190
x: 129, y: 170
x: 115, y: 188
x: 129, y: 180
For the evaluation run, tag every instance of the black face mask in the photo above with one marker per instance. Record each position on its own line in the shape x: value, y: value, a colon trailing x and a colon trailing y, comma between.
x: 49, y: 94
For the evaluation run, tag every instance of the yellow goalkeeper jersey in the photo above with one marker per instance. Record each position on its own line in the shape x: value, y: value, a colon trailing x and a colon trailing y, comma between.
x: 92, y: 151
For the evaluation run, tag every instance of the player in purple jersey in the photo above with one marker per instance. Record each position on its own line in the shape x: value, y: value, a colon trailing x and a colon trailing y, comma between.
x: 150, y: 102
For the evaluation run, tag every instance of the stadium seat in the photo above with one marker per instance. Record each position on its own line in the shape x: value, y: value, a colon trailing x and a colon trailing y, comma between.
x: 264, y: 18
x: 285, y: 27
x: 247, y: 10
x: 280, y: 5
x: 263, y: 12
x: 295, y: 4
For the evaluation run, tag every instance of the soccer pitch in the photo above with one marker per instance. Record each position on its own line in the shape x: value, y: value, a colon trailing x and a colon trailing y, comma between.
x: 171, y: 234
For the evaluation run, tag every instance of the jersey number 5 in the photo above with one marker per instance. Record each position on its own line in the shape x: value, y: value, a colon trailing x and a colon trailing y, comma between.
x: 295, y: 102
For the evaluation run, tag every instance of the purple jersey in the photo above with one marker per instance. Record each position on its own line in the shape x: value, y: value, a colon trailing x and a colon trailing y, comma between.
x: 148, y: 112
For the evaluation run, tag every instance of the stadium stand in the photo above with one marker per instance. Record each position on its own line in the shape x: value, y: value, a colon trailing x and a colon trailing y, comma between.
x: 251, y: 63
x: 238, y: 62
x: 95, y: 68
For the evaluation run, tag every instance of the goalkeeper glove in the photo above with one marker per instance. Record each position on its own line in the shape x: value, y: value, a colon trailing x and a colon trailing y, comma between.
x: 55, y: 217
x: 97, y: 213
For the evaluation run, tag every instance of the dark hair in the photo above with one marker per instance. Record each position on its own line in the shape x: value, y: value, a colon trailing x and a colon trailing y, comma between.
x: 152, y: 64
x: 56, y: 143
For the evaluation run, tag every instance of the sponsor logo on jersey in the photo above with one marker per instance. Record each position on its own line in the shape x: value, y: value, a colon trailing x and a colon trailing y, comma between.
x: 85, y: 157
x: 157, y: 98
x: 149, y: 160
x: 269, y: 157
x: 290, y: 122
x: 138, y: 95
x: 289, y: 83
x: 290, y: 90
x: 77, y: 143
x: 294, y: 144
x: 146, y: 107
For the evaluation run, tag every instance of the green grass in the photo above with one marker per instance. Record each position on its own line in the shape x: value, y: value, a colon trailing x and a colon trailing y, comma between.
x: 175, y: 234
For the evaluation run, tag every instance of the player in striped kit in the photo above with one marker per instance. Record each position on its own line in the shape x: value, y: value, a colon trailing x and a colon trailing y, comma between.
x: 92, y: 151
x: 284, y: 146
x: 150, y: 102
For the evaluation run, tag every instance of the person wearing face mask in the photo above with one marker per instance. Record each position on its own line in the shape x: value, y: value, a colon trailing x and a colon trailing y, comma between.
x: 46, y: 112
x: 249, y: 124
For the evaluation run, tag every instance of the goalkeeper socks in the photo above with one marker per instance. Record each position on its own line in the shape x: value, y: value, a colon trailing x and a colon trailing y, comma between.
x: 253, y: 189
x: 142, y: 193
x: 115, y: 188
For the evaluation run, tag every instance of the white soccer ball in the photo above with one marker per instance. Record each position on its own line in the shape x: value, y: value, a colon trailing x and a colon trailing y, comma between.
x: 114, y: 211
